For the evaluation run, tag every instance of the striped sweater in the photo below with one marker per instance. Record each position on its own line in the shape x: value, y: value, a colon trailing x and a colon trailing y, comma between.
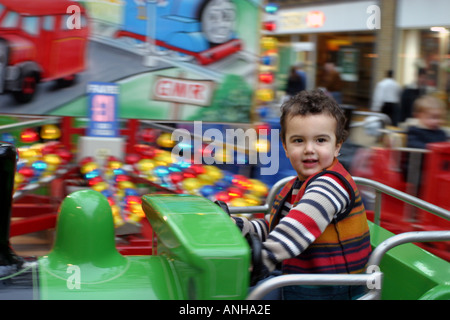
x: 316, y: 226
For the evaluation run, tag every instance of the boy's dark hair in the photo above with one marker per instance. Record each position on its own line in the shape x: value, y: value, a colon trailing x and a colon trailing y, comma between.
x: 314, y: 102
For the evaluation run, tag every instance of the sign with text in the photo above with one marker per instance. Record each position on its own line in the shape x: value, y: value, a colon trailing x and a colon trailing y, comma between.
x: 103, y: 100
x: 334, y: 16
x: 184, y: 91
x: 348, y: 62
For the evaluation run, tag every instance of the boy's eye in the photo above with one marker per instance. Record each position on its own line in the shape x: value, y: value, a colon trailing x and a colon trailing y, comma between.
x: 321, y: 140
x: 297, y: 140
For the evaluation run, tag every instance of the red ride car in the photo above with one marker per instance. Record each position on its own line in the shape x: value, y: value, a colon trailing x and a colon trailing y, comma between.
x: 40, y: 40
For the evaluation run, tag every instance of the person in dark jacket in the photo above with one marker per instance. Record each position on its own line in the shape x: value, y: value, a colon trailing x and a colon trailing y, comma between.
x: 295, y: 83
x: 430, y: 113
x: 411, y: 93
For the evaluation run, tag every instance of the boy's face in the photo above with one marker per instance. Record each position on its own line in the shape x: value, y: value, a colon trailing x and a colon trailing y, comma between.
x: 431, y: 118
x: 310, y: 143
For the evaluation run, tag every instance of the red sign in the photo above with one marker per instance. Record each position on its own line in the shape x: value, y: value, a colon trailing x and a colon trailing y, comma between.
x: 185, y: 91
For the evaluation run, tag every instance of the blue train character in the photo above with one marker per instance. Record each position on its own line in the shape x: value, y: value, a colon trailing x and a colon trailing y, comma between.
x: 203, y: 29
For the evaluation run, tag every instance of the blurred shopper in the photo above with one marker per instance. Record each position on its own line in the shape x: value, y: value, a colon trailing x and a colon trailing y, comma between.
x: 331, y: 81
x: 411, y: 93
x: 386, y: 97
x: 302, y: 73
x: 295, y: 83
x: 430, y: 114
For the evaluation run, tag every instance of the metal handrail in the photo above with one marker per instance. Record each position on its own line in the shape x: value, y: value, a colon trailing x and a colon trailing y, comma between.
x: 406, y: 237
x: 381, y: 116
x: 403, y: 196
x: 372, y: 275
x: 378, y: 186
x: 316, y: 279
x: 34, y: 122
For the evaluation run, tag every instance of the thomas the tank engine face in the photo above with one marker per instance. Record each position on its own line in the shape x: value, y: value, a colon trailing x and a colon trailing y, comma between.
x: 218, y: 19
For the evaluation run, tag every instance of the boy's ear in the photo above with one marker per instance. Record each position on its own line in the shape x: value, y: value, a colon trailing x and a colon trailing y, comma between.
x: 285, y: 150
x: 338, y: 148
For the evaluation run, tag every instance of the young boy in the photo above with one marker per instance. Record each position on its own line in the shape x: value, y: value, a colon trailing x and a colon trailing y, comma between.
x: 317, y: 222
x: 430, y: 113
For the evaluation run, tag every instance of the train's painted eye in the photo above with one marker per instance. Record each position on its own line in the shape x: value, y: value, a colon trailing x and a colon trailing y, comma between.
x: 217, y: 18
x: 229, y: 15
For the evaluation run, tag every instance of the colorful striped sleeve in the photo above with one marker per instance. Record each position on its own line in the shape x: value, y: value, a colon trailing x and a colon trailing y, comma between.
x: 324, y: 198
x: 258, y: 226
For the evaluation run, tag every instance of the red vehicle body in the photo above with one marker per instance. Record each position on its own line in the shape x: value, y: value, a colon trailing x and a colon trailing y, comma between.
x: 380, y: 164
x: 40, y: 42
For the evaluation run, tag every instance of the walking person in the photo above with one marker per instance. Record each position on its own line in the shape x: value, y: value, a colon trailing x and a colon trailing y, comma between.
x: 386, y: 97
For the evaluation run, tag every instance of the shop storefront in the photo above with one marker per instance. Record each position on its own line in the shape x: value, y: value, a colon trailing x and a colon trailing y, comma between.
x: 424, y: 43
x: 340, y: 33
